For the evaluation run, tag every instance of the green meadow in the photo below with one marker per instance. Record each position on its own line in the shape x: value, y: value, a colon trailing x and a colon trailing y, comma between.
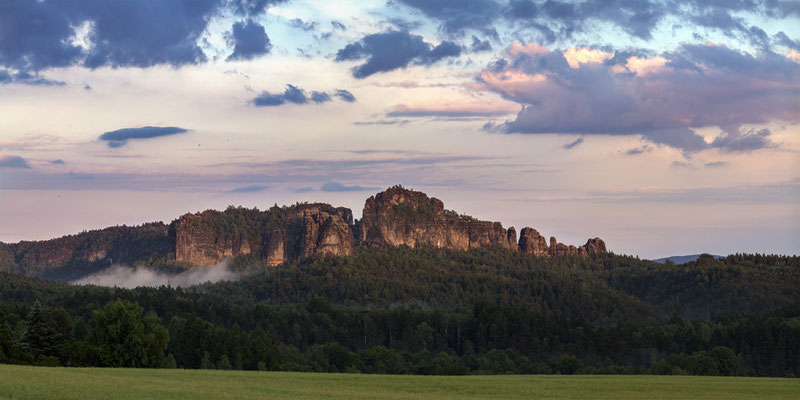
x: 25, y: 382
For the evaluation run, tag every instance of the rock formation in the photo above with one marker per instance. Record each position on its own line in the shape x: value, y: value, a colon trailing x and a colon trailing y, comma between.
x: 531, y: 242
x: 199, y: 243
x: 395, y: 217
x: 400, y: 216
x: 278, y: 234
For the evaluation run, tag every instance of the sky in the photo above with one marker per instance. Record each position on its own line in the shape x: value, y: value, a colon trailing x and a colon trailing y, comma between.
x: 665, y: 127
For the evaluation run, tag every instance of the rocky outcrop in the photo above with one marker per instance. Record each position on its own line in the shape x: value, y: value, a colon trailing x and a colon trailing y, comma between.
x: 395, y: 217
x: 595, y: 246
x: 531, y: 242
x: 399, y: 216
x: 199, y: 242
x: 277, y: 235
x: 325, y: 234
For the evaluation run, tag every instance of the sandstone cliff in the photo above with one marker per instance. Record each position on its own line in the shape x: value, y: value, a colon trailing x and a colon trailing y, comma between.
x: 395, y: 217
x: 276, y: 235
x: 400, y: 216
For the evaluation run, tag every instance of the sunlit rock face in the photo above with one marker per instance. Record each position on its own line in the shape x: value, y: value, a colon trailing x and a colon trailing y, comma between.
x: 278, y: 235
x: 394, y: 217
x: 399, y: 216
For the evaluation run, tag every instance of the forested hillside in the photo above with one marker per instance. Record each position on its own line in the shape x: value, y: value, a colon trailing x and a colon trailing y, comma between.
x: 430, y: 311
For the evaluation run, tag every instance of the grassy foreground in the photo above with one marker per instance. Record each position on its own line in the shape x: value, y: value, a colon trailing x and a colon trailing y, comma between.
x: 24, y: 382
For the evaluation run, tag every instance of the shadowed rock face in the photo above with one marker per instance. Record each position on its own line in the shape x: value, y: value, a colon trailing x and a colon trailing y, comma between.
x: 400, y: 216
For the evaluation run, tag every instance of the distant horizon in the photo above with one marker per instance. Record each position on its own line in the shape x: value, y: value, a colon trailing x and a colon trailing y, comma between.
x: 665, y: 127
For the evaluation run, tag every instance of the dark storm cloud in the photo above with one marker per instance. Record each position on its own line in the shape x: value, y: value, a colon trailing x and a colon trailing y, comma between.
x: 392, y: 50
x: 11, y: 161
x: 123, y: 33
x: 249, y: 40
x: 296, y: 95
x: 120, y: 137
x: 338, y: 187
x: 699, y: 86
x: 34, y: 34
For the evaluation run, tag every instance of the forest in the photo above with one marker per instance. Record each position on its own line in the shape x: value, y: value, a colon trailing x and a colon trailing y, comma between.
x: 427, y: 311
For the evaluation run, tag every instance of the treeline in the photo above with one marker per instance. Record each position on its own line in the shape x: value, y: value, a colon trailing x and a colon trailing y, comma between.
x: 485, y: 339
x: 430, y: 311
x: 603, y: 289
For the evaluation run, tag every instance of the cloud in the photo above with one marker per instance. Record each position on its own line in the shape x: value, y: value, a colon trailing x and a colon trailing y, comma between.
x: 304, y: 25
x: 442, y: 51
x: 131, y: 277
x: 383, y: 122
x: 304, y: 190
x: 138, y: 33
x: 338, y: 187
x: 142, y: 35
x: 571, y: 145
x: 57, y: 162
x: 12, y: 161
x: 338, y: 25
x: 320, y: 97
x: 393, y: 50
x: 478, y: 45
x: 457, y: 16
x: 253, y: 6
x: 249, y: 189
x: 120, y: 137
x: 663, y: 98
x: 444, y: 108
x: 638, y: 150
x: 296, y: 95
x: 26, y: 78
x: 344, y: 95
x: 734, y: 141
x: 249, y: 41
x: 713, y: 164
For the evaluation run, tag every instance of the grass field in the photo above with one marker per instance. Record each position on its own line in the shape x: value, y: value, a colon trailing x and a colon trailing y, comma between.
x: 18, y: 382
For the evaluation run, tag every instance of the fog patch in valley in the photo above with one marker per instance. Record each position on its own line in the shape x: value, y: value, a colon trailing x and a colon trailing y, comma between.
x: 128, y: 277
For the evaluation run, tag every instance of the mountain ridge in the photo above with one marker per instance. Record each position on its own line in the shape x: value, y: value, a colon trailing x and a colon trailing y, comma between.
x: 395, y: 217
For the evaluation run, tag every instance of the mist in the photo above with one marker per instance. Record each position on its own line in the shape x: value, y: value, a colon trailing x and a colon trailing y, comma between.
x: 128, y: 277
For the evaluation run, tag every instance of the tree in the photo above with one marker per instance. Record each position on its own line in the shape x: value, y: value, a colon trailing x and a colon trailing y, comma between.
x: 127, y: 337
x: 46, y: 331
